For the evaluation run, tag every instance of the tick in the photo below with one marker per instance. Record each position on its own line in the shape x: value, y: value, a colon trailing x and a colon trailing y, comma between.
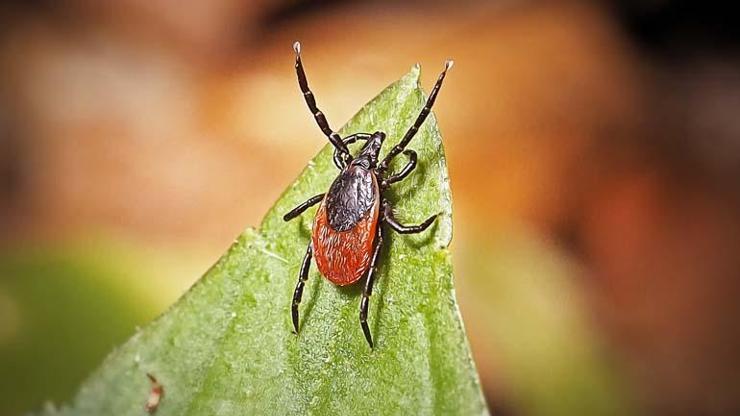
x: 347, y: 233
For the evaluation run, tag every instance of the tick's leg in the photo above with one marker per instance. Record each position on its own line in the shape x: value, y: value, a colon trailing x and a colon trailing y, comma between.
x: 304, y: 206
x: 338, y: 161
x: 298, y: 293
x: 419, y: 120
x: 410, y: 166
x: 334, y: 138
x: 405, y: 229
x: 368, y: 289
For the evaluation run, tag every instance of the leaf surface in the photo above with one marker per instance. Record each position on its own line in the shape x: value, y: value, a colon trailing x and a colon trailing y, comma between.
x: 227, y: 347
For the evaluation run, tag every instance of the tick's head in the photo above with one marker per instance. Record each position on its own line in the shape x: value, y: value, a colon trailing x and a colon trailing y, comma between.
x: 368, y: 156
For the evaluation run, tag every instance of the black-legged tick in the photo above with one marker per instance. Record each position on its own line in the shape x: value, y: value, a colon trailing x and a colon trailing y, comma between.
x: 347, y: 233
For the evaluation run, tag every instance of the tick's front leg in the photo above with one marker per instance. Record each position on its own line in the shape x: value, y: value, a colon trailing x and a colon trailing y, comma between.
x: 405, y: 229
x: 318, y: 115
x: 302, y: 207
x: 410, y: 166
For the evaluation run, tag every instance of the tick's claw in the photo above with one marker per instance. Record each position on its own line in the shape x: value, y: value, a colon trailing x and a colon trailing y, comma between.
x: 429, y: 221
x: 295, y: 322
x: 368, y: 337
x: 297, y: 48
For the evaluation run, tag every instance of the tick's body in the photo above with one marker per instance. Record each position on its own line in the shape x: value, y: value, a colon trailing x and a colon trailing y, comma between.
x: 347, y: 233
x: 345, y: 226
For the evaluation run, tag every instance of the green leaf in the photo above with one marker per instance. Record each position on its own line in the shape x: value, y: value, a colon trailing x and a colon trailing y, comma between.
x: 227, y: 347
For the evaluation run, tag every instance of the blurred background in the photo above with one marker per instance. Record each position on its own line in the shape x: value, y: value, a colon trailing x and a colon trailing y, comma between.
x: 593, y: 148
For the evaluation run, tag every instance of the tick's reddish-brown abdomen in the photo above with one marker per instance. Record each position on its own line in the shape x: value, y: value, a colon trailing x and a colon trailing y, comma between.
x: 343, y: 257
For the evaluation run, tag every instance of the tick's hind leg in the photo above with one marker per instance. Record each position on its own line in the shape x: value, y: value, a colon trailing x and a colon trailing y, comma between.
x: 298, y: 293
x: 405, y: 229
x: 367, y: 291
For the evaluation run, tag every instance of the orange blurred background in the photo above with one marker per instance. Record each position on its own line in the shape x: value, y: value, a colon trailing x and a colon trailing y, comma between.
x: 593, y: 148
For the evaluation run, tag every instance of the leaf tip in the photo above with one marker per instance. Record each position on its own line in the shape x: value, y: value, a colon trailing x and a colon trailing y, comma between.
x: 413, y: 74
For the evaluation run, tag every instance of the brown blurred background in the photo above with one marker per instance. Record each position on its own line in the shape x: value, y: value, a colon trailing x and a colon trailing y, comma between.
x: 593, y: 147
